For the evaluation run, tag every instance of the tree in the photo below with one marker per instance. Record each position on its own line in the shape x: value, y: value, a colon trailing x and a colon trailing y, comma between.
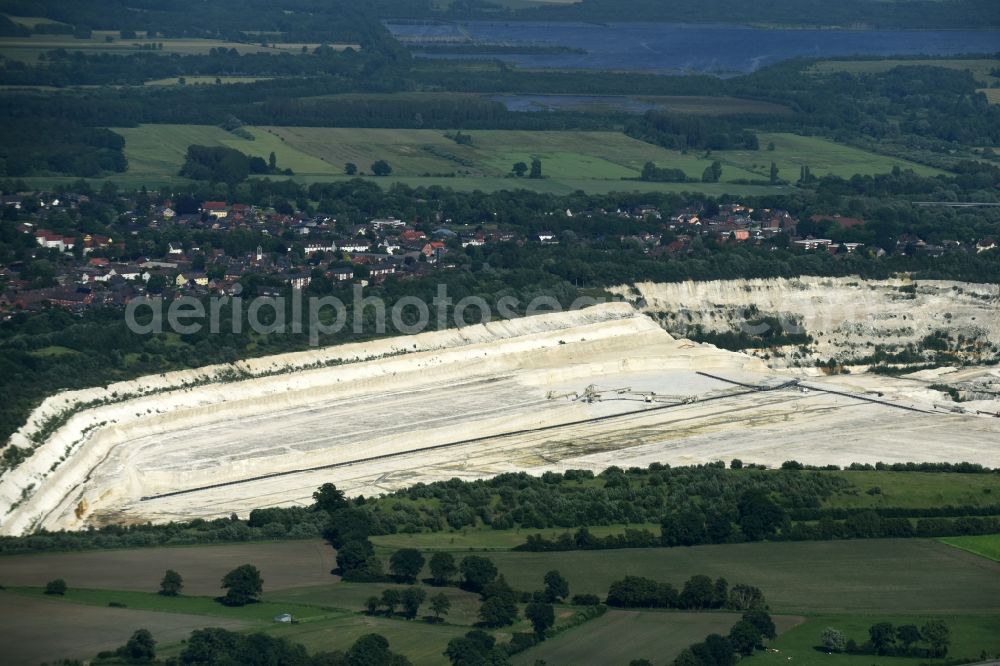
x: 390, y: 599
x: 774, y: 173
x: 759, y: 516
x: 833, y: 640
x: 477, y: 571
x: 745, y: 597
x: 712, y: 173
x: 171, y: 584
x: 698, y: 592
x: 498, y: 611
x: 908, y: 634
x: 762, y: 620
x: 272, y: 162
x: 556, y: 587
x: 883, y: 637
x: 541, y: 615
x: 440, y: 605
x: 476, y: 648
x: 442, y: 566
x: 938, y: 636
x: 381, y: 168
x: 520, y: 168
x: 770, y: 146
x: 328, y: 498
x: 243, y: 586
x: 536, y: 168
x: 412, y: 598
x: 406, y: 564
x: 372, y: 604
x: 369, y: 650
x: 140, y: 648
x: 745, y: 637
x: 353, y: 556
x: 351, y: 169
x: 57, y: 586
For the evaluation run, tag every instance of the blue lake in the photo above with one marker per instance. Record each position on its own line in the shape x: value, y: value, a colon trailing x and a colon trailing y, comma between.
x: 674, y: 48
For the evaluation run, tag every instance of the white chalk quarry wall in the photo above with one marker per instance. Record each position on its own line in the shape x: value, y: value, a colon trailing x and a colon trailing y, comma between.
x: 137, y: 408
x: 846, y: 317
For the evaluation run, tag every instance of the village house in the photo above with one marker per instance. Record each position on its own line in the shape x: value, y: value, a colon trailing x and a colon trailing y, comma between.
x: 216, y: 209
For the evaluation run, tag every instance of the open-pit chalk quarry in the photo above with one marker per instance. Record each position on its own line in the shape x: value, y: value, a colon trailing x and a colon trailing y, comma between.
x: 586, y: 389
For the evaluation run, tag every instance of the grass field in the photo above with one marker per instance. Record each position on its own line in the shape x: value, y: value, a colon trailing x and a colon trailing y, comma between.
x: 422, y: 643
x: 192, y: 605
x: 987, y: 545
x: 980, y: 67
x: 619, y: 636
x: 591, y: 161
x: 917, y: 489
x: 970, y: 635
x: 352, y: 597
x: 822, y: 156
x: 864, y: 576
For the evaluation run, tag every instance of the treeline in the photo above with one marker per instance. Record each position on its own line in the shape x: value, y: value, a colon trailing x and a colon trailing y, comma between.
x: 218, y: 164
x: 699, y: 593
x: 682, y: 132
x: 37, y: 148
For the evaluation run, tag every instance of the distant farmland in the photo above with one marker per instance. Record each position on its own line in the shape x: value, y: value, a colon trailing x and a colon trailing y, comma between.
x: 571, y: 160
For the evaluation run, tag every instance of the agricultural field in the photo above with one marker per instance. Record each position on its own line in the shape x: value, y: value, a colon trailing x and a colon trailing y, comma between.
x: 980, y: 67
x: 987, y: 545
x: 34, y: 630
x: 970, y: 636
x: 592, y: 161
x: 809, y: 586
x: 822, y: 156
x: 654, y: 635
x: 282, y: 564
x: 992, y: 94
x: 27, y: 49
x: 862, y: 576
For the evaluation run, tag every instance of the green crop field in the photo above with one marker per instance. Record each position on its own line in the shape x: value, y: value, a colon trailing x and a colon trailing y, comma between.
x: 970, y: 635
x: 987, y: 545
x: 596, y: 162
x: 862, y: 576
x: 822, y: 156
x: 980, y: 67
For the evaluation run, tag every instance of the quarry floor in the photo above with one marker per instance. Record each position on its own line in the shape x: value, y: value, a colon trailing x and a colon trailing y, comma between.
x: 504, y: 398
